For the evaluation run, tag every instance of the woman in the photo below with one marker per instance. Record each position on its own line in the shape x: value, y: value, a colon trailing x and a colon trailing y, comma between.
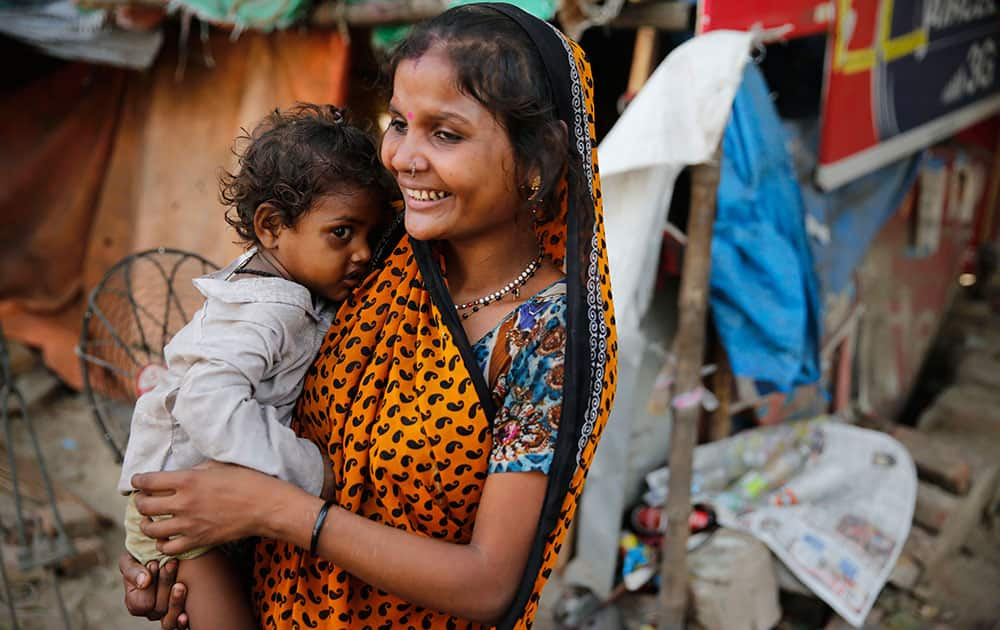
x: 474, y: 454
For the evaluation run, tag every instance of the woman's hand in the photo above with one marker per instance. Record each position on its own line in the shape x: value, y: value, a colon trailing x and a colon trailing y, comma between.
x: 209, y: 504
x: 150, y: 592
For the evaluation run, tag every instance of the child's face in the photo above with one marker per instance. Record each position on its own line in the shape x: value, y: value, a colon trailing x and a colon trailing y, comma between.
x: 327, y: 250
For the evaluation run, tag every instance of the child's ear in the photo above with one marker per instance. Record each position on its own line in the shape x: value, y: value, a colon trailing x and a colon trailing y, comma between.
x: 267, y: 225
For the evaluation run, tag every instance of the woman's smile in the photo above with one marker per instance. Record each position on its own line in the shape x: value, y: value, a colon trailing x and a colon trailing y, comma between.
x: 418, y: 194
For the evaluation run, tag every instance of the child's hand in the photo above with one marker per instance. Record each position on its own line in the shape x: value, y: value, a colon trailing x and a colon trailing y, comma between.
x: 151, y: 592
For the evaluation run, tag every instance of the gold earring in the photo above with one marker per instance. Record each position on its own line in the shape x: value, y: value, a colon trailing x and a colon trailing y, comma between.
x: 535, y: 186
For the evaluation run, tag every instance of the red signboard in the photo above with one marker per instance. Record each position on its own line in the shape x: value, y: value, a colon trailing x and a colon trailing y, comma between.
x: 902, y: 75
x: 795, y: 18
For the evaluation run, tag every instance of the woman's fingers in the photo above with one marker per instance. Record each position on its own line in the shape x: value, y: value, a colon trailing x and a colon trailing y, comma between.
x: 159, y: 481
x: 133, y: 573
x: 148, y: 589
x: 175, y: 617
x: 207, y: 506
x: 177, y: 546
x: 159, y: 505
x: 173, y: 536
x: 165, y: 528
x: 140, y: 597
x: 168, y: 575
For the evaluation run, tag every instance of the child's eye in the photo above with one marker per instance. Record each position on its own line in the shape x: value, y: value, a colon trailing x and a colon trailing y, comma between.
x: 342, y: 232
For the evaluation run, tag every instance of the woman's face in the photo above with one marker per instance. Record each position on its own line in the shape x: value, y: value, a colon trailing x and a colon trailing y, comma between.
x: 462, y: 182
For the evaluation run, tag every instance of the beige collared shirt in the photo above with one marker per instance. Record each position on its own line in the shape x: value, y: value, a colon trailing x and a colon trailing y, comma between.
x: 233, y: 375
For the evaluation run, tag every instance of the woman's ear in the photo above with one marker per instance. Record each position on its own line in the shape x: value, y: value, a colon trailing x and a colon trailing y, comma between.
x: 267, y: 225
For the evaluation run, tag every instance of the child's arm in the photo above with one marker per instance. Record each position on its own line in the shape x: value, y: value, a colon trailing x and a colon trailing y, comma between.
x: 215, y: 404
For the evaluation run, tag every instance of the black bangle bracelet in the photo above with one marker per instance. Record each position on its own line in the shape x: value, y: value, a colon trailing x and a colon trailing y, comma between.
x: 318, y: 527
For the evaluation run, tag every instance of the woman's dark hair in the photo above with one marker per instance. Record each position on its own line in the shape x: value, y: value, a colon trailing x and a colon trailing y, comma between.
x: 497, y: 65
x: 293, y: 156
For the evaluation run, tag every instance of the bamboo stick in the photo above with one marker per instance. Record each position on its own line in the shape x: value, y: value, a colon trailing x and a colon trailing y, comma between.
x: 689, y: 348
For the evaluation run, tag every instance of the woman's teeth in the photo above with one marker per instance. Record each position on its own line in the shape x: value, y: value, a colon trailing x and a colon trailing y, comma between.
x: 426, y: 195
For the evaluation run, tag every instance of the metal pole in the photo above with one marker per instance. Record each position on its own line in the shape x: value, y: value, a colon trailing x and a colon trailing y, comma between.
x: 8, y: 594
x: 689, y: 348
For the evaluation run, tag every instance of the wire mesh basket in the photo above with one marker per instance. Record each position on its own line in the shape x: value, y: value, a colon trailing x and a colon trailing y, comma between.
x: 141, y: 302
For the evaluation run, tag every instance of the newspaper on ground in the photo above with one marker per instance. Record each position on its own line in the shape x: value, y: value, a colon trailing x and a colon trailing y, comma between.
x: 833, y: 502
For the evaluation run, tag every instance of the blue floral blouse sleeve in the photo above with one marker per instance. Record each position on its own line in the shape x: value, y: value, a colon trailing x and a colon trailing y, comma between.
x: 530, y: 348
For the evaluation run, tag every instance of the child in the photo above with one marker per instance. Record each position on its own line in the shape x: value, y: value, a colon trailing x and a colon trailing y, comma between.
x: 307, y: 197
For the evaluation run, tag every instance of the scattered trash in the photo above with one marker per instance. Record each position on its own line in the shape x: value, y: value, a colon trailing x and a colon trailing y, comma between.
x: 927, y: 611
x: 657, y: 483
x: 639, y: 561
x: 648, y: 521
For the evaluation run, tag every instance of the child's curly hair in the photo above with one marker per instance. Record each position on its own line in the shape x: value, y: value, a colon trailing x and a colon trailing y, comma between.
x: 291, y: 157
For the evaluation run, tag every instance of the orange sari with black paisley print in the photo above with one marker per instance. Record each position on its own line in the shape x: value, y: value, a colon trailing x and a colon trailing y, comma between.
x: 405, y: 415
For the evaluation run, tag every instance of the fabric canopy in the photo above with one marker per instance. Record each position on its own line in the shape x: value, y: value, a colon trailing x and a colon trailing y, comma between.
x: 100, y: 163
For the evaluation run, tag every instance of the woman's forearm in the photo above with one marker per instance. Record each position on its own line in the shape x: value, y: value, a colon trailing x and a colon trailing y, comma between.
x: 474, y: 581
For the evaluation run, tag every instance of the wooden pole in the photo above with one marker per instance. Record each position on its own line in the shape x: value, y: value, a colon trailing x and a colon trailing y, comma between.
x: 642, y: 59
x: 722, y: 386
x: 689, y: 348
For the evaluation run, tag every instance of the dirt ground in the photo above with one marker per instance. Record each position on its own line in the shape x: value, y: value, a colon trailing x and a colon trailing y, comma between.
x: 79, y: 460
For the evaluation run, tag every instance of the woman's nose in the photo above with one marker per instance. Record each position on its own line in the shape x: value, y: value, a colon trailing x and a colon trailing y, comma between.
x: 406, y: 156
x: 402, y: 162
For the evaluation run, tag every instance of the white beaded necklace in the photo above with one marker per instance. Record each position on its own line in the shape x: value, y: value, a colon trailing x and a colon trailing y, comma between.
x: 514, y: 286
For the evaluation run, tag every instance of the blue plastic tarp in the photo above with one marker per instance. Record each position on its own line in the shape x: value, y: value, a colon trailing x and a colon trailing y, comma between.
x: 846, y: 220
x: 764, y: 296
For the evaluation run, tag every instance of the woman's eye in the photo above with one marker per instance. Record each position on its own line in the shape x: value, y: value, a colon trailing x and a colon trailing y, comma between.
x: 398, y: 125
x: 447, y: 136
x: 342, y: 232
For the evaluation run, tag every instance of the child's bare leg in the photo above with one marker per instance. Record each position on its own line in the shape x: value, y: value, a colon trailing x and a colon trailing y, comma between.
x: 215, y: 598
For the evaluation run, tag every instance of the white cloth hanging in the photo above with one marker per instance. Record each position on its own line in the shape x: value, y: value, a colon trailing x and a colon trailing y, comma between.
x: 676, y: 120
